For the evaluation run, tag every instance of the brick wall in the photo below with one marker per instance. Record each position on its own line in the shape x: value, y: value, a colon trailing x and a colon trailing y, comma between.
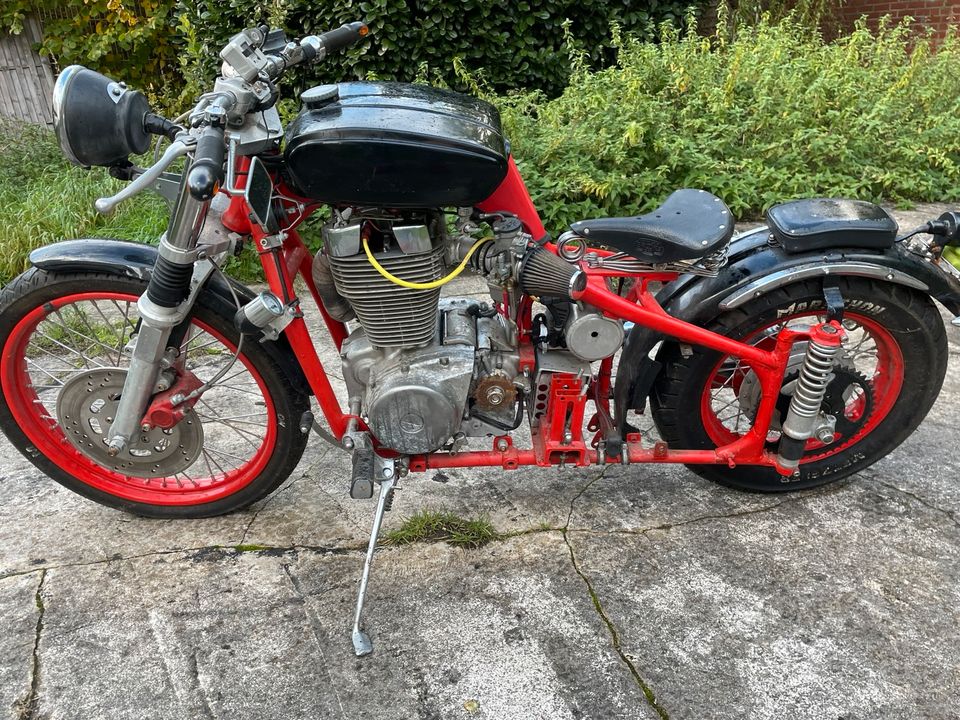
x: 936, y: 14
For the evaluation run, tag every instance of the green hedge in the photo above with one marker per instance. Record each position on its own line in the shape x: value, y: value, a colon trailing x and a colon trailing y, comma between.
x: 776, y: 113
x: 157, y: 44
x: 516, y: 44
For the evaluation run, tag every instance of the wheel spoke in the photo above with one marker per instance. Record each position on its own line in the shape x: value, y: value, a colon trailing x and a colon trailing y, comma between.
x: 89, y: 335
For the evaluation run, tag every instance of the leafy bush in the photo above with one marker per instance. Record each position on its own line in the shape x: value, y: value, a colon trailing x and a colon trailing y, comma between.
x: 516, y: 44
x: 126, y: 40
x: 157, y: 45
x: 776, y: 113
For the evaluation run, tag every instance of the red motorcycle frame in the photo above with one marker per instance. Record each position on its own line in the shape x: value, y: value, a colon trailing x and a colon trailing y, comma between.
x: 559, y: 437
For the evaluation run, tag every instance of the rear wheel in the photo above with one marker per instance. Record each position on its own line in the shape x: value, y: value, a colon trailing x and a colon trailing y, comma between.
x: 886, y: 378
x: 63, y: 364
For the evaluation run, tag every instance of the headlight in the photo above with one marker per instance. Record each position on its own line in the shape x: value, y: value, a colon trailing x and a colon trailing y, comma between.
x: 98, y: 121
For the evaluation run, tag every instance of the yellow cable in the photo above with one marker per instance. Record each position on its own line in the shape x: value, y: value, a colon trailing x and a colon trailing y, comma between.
x: 416, y: 285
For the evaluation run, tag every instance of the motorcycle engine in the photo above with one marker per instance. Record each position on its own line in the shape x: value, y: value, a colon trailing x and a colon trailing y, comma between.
x: 423, y: 371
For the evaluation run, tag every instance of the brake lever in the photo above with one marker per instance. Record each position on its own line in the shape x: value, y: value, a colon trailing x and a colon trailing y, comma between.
x: 180, y: 147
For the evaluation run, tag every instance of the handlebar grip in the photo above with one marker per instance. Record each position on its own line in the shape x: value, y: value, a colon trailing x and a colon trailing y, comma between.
x: 206, y: 171
x: 344, y: 36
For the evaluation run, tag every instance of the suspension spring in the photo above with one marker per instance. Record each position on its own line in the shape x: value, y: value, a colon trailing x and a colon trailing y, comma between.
x: 814, y: 376
x: 803, y: 415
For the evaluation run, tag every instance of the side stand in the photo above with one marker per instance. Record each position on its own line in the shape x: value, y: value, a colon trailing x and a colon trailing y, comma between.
x: 361, y: 641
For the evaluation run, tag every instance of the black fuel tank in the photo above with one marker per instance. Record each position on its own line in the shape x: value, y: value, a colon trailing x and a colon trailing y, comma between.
x: 395, y: 145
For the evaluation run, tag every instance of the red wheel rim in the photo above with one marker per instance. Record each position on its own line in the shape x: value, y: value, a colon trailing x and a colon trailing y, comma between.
x: 886, y: 381
x: 34, y: 418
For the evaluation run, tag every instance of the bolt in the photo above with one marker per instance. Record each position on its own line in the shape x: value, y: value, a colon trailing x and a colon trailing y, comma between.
x: 829, y: 329
x: 567, y: 437
x: 387, y: 472
x: 502, y: 444
x: 825, y: 435
x: 115, y: 445
x: 348, y: 442
x: 146, y: 427
x: 495, y: 395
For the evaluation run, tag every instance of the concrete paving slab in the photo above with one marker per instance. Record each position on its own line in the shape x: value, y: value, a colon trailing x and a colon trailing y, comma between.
x: 832, y: 604
x: 223, y: 634
x: 18, y: 642
x: 640, y: 592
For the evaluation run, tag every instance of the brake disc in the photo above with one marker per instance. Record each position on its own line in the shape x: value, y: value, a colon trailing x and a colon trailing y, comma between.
x: 86, y: 407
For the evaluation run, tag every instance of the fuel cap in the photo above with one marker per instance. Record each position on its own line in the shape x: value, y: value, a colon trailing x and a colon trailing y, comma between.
x: 320, y: 96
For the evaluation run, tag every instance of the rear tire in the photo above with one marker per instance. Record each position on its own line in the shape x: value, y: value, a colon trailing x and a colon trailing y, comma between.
x: 903, y: 322
x: 29, y: 419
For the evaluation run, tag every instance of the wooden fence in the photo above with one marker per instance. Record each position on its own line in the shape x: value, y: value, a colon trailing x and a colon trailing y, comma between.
x: 26, y: 79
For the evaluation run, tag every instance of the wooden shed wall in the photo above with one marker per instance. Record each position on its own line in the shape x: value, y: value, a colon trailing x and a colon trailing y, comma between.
x: 26, y: 80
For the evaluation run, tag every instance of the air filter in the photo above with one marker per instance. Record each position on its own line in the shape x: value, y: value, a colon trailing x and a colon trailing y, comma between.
x: 543, y: 274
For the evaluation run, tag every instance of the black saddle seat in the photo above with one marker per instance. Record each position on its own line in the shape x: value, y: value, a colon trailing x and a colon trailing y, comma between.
x: 689, y: 225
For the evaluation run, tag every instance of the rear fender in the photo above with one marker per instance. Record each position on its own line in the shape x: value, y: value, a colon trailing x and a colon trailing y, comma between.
x: 136, y: 260
x: 756, y: 267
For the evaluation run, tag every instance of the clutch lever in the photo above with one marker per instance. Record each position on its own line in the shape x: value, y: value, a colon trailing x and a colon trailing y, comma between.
x: 180, y: 147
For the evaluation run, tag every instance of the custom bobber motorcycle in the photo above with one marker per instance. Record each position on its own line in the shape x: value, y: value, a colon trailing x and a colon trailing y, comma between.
x: 144, y: 378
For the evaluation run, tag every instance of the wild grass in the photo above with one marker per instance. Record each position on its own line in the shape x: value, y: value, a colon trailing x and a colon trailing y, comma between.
x: 45, y: 199
x: 442, y: 526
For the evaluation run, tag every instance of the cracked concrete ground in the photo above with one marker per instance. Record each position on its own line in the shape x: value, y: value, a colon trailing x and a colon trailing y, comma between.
x: 640, y: 592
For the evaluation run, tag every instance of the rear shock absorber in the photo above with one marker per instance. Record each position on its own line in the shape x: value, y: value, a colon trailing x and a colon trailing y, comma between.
x: 804, y: 413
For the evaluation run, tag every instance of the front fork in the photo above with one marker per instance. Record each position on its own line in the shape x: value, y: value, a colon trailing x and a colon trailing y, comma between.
x: 169, y: 297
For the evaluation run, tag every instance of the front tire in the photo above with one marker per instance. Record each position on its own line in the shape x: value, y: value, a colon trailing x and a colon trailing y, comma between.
x: 58, y: 325
x: 702, y: 399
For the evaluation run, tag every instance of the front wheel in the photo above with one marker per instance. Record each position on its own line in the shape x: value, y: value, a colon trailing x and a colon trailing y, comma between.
x: 65, y: 354
x: 887, y: 376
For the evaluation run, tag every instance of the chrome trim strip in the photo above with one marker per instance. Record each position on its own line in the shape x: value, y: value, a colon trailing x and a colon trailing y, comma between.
x: 763, y: 285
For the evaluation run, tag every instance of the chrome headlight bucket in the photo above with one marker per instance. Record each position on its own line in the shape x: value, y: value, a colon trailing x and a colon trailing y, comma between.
x: 98, y: 121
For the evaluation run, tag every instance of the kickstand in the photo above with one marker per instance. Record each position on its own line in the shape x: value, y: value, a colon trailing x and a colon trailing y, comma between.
x: 361, y: 641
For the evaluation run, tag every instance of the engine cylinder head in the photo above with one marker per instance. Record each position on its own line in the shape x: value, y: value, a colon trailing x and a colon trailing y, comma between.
x: 393, y: 316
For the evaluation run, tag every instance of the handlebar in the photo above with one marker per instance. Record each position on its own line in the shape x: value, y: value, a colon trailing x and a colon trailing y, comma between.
x: 315, y: 47
x: 206, y: 171
x: 343, y: 37
x: 230, y: 101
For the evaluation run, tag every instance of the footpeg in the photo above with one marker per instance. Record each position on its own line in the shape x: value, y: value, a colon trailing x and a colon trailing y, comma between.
x: 364, y: 466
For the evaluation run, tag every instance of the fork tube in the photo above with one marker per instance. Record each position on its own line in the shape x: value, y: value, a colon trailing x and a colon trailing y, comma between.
x: 162, y: 307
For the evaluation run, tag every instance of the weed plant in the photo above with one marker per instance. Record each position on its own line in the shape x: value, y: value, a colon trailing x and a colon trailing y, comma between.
x: 45, y: 199
x: 775, y: 113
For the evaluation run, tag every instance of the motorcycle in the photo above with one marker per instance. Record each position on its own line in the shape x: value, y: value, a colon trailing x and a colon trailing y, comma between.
x: 144, y: 378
